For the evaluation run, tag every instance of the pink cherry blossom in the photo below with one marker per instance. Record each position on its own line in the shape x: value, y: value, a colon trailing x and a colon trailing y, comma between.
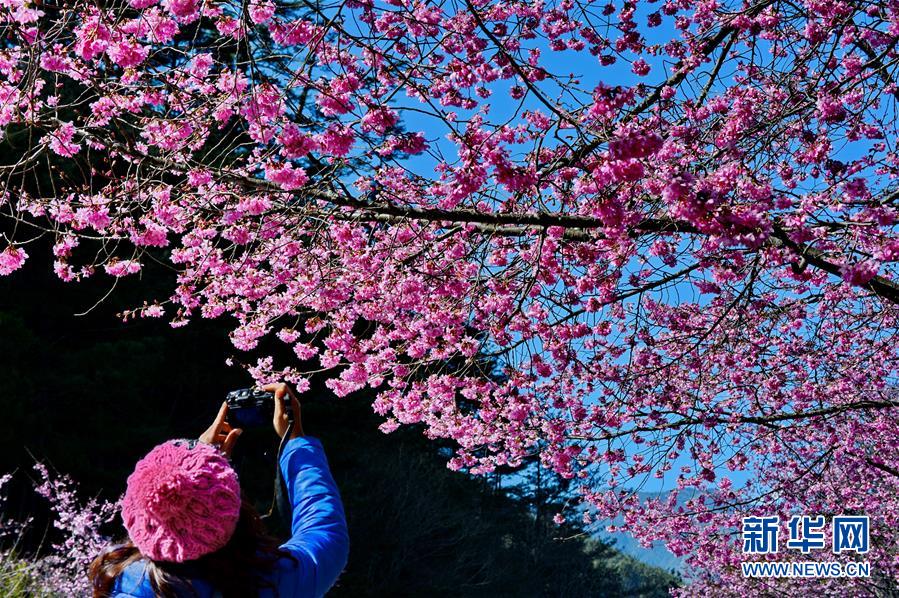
x: 120, y: 268
x: 186, y: 11
x: 261, y: 11
x: 287, y: 176
x: 127, y: 54
x: 11, y: 259
x: 640, y: 67
x: 61, y: 140
x: 379, y: 120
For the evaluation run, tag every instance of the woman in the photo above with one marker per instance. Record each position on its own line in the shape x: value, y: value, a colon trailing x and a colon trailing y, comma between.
x: 192, y: 534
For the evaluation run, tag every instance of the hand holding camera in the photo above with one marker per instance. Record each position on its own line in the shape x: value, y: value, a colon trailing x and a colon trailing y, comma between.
x: 286, y: 417
x: 253, y: 407
x: 220, y: 433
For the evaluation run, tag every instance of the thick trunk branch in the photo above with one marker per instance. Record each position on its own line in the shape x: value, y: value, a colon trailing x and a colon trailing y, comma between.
x: 577, y: 228
x: 765, y: 420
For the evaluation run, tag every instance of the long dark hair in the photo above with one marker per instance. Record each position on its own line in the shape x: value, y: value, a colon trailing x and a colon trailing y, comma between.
x: 236, y: 570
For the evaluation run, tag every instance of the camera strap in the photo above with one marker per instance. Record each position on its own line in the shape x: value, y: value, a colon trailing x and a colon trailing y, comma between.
x: 280, y: 501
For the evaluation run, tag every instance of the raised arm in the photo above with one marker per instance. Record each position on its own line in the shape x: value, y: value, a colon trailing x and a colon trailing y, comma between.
x: 319, y: 539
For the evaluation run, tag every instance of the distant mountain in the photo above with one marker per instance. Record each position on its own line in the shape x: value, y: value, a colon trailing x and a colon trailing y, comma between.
x: 657, y: 556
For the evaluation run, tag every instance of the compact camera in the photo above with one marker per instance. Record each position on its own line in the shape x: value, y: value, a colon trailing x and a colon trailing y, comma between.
x: 252, y: 408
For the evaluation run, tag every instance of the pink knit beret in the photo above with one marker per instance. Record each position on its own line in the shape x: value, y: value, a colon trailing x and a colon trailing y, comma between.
x: 182, y: 501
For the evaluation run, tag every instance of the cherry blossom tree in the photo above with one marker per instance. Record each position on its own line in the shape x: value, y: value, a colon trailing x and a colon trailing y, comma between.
x: 672, y: 223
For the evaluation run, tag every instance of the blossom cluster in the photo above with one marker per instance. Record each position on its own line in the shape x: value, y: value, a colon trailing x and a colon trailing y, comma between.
x: 60, y: 567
